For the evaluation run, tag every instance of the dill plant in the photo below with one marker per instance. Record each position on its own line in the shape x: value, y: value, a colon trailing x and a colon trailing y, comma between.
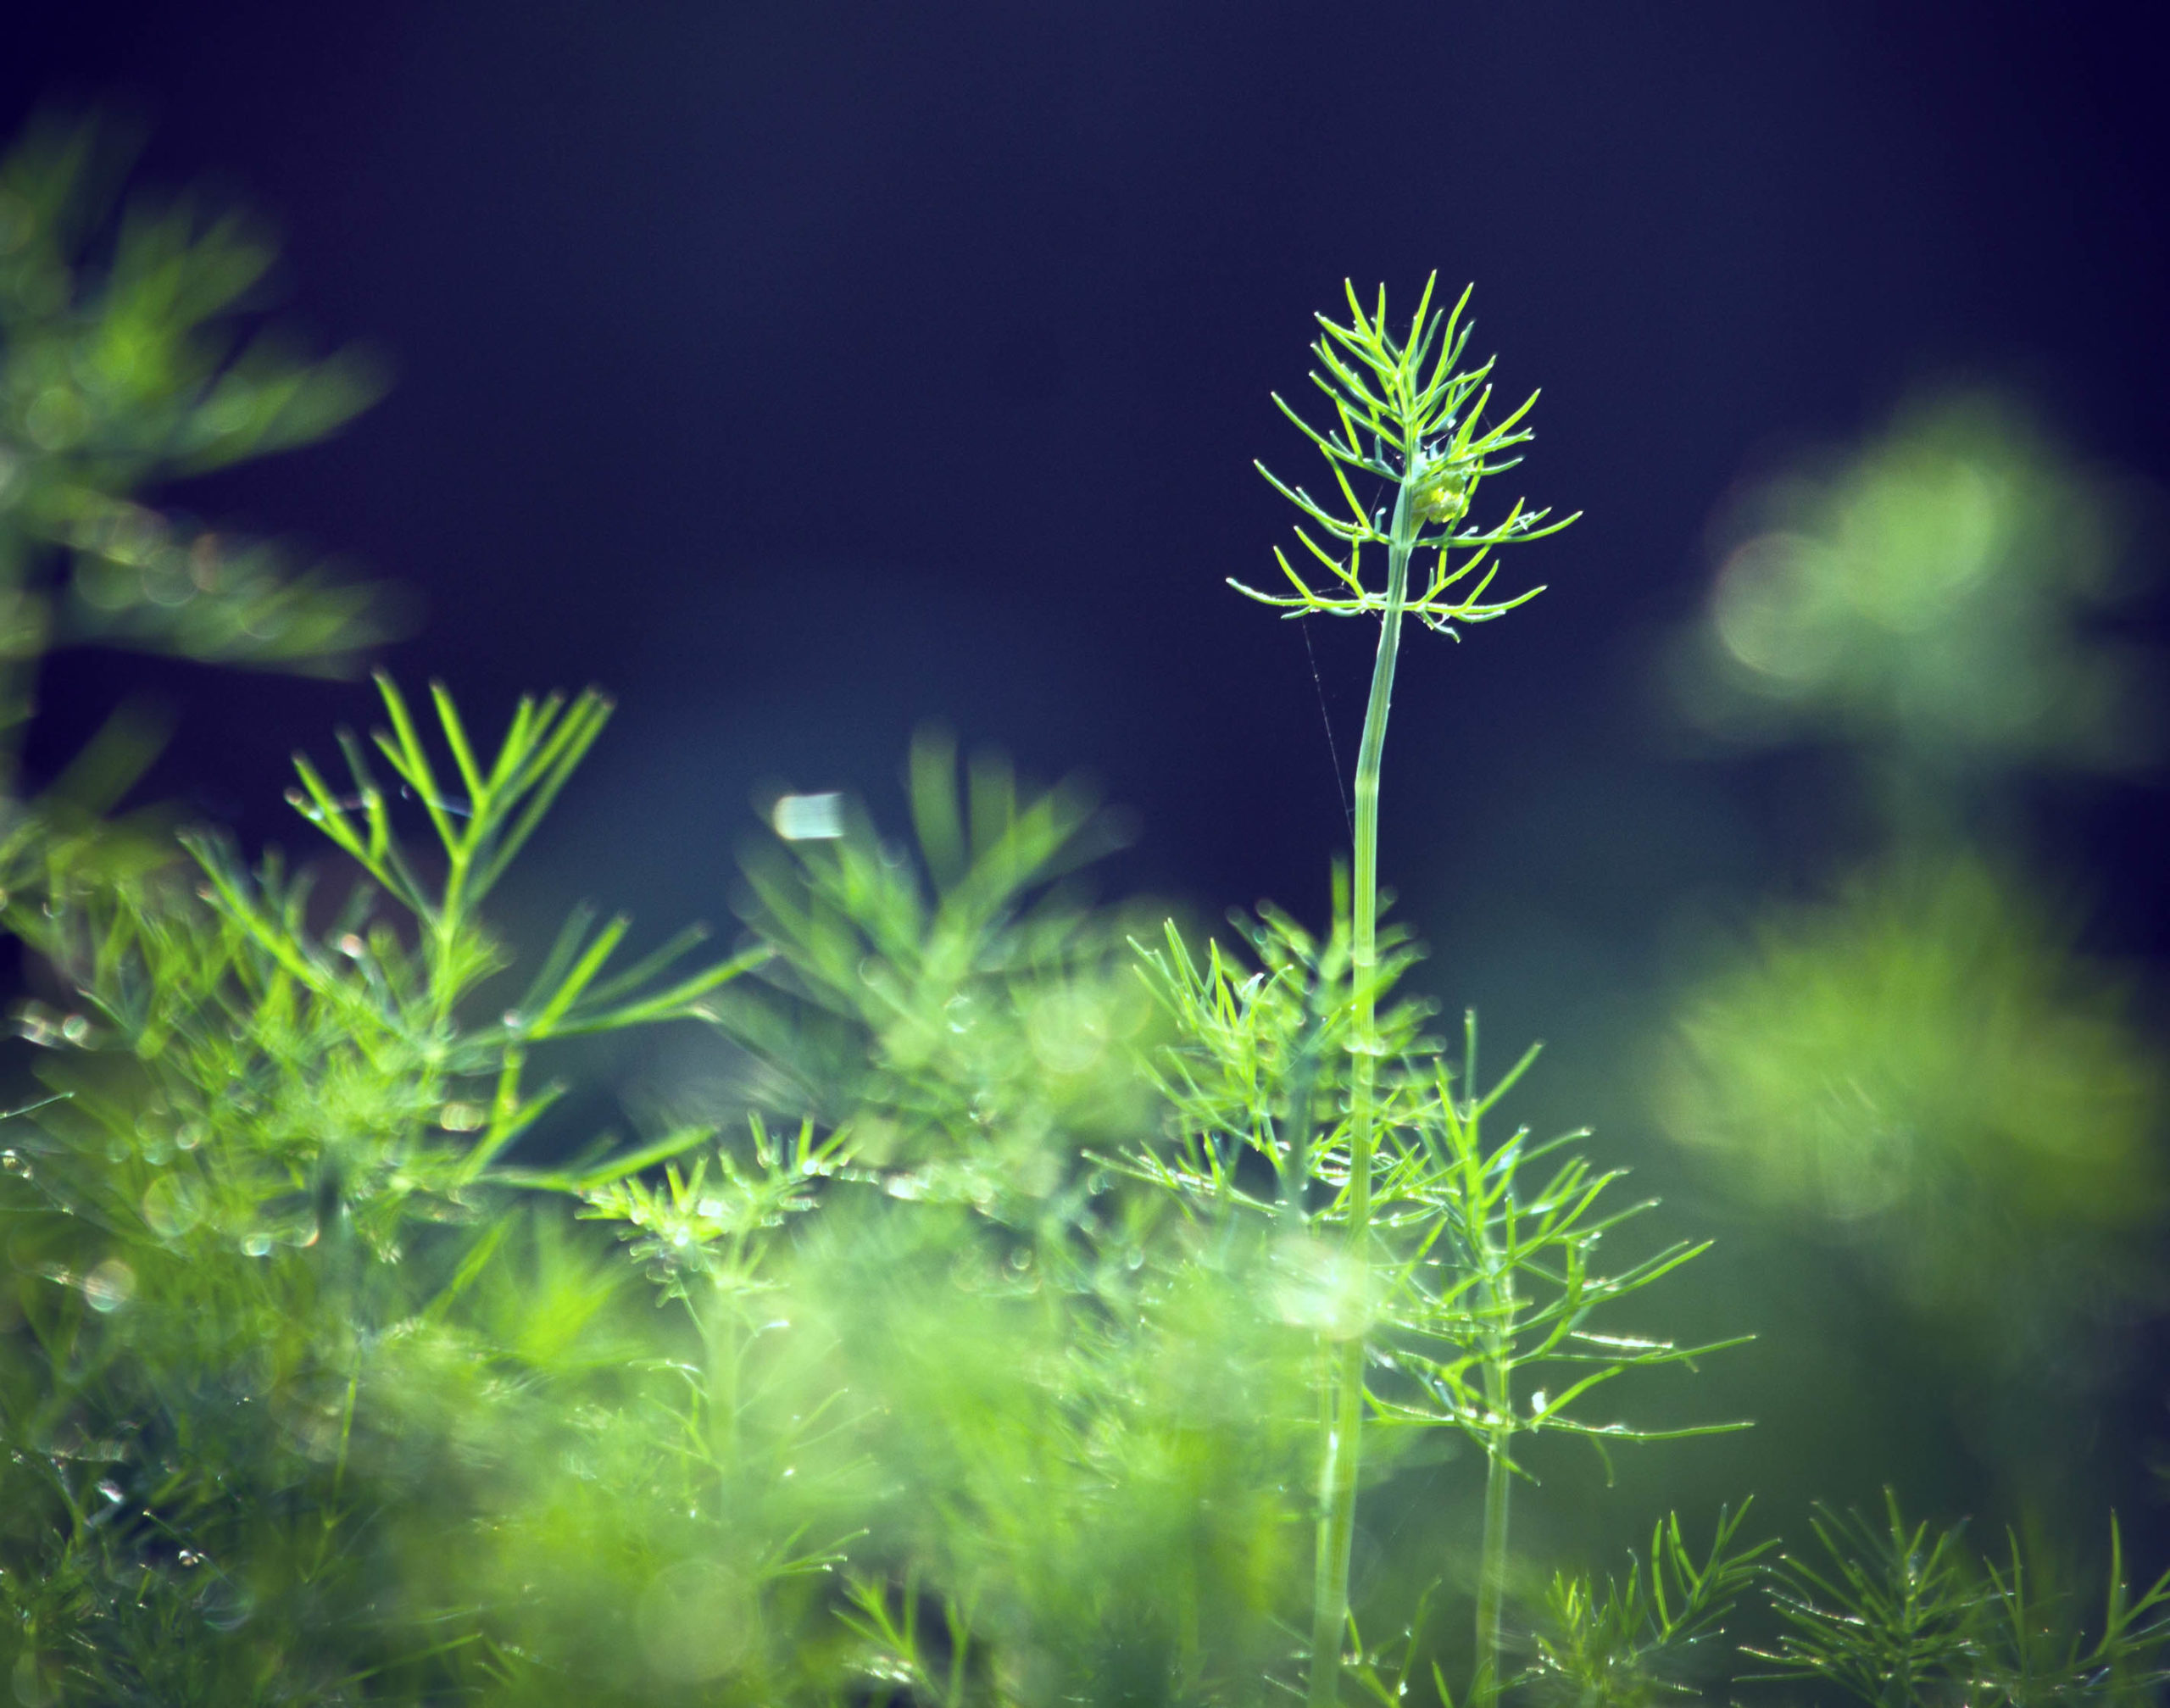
x: 131, y: 355
x: 1021, y: 1326
x: 262, y: 1182
x: 1452, y: 1273
x: 1081, y: 1434
x: 273, y: 1314
x: 1901, y: 1614
x: 979, y: 1398
x: 1067, y: 1426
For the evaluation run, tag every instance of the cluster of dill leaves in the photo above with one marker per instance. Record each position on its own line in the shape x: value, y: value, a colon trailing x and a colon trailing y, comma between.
x: 1025, y: 1333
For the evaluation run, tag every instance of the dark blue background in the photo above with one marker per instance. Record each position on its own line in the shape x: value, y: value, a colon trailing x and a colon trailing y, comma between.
x: 801, y: 371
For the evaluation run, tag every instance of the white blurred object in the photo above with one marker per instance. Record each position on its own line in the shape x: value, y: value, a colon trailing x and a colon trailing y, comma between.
x: 809, y: 818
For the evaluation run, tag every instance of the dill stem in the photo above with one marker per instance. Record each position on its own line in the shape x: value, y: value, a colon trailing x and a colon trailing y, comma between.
x: 1496, y: 1275
x: 1498, y: 1483
x: 1492, y: 1570
x: 1343, y: 1448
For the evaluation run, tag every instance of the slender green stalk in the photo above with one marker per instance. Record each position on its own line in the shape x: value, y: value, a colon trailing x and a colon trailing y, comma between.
x: 1491, y: 1574
x: 1499, y: 1308
x: 725, y: 1329
x: 1498, y: 1486
x: 1337, y: 1525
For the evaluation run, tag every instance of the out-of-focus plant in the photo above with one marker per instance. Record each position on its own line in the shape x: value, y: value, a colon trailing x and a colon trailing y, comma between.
x: 963, y: 1017
x: 1649, y: 1636
x: 157, y: 1339
x: 1934, y: 602
x: 1927, y: 1066
x: 1924, y: 1065
x: 128, y: 360
x: 1085, y: 1435
x: 238, y: 1227
x: 1899, y: 1617
x: 1096, y: 1469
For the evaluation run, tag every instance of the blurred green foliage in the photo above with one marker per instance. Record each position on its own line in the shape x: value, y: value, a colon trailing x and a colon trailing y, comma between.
x: 1935, y: 599
x: 1650, y: 1636
x: 1926, y: 1065
x: 130, y: 357
x: 976, y: 999
x: 1901, y: 1614
x: 236, y: 1225
x: 1921, y: 1067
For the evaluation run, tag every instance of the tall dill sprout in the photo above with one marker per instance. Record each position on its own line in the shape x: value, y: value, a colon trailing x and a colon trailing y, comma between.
x: 1454, y: 1275
x: 1406, y: 414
